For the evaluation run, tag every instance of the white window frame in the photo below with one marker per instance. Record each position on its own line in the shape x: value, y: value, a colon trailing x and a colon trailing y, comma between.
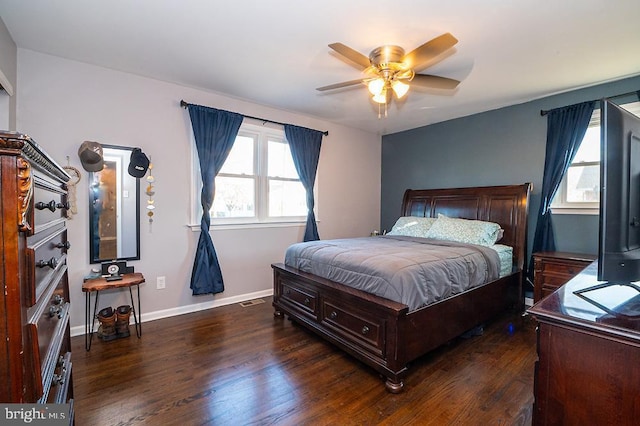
x: 263, y: 134
x: 560, y: 205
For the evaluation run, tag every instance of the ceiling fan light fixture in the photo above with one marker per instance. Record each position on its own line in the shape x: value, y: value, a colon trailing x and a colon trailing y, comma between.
x: 381, y: 97
x: 399, y: 88
x: 388, y: 71
x: 376, y: 86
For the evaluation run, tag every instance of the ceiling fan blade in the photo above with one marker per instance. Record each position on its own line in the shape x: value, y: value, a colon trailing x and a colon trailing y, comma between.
x: 434, y: 82
x: 353, y: 55
x: 339, y: 85
x: 429, y: 50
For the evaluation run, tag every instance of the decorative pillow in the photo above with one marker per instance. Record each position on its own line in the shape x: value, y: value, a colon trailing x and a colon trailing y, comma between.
x: 412, y: 226
x: 465, y: 231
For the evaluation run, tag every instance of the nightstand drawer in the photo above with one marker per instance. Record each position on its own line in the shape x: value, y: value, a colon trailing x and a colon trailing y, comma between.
x: 557, y: 280
x: 563, y: 268
x: 547, y: 290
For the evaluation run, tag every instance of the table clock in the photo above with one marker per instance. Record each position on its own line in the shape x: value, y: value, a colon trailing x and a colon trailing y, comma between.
x: 112, y: 271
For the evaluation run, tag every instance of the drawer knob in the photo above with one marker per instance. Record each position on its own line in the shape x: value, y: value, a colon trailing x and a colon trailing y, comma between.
x: 51, y: 263
x: 57, y: 379
x: 51, y: 205
x: 64, y: 245
x: 287, y: 291
x: 306, y: 301
x: 365, y: 330
x: 55, y: 311
x: 333, y: 315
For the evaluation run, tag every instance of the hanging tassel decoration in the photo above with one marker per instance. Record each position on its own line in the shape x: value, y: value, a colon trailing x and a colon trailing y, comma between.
x: 150, y: 191
x: 71, y: 189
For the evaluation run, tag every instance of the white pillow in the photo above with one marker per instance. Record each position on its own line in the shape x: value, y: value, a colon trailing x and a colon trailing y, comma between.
x: 465, y: 231
x: 412, y: 226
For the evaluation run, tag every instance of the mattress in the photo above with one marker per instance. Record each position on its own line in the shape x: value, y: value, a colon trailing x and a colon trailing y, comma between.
x: 410, y: 270
x: 505, y: 255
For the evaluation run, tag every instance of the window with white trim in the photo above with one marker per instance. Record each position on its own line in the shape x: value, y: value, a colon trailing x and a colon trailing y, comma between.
x: 258, y: 182
x: 579, y: 191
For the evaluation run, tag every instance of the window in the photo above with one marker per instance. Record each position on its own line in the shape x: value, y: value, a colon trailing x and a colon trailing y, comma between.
x: 258, y: 182
x: 579, y: 191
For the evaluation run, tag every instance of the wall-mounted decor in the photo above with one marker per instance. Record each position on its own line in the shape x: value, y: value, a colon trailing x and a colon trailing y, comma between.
x: 150, y: 193
x: 71, y: 188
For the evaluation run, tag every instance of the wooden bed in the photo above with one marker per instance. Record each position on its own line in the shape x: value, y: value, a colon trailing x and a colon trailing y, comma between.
x: 384, y: 334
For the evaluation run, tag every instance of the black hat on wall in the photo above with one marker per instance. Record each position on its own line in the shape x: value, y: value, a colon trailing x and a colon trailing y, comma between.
x: 90, y: 154
x: 138, y: 164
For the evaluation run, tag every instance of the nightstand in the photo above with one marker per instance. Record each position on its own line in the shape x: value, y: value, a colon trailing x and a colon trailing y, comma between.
x: 552, y: 269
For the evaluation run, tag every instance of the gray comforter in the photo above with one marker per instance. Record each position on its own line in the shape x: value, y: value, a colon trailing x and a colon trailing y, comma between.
x: 412, y: 271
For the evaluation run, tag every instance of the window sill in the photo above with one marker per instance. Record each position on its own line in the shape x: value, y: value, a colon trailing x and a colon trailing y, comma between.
x: 261, y: 225
x: 575, y: 211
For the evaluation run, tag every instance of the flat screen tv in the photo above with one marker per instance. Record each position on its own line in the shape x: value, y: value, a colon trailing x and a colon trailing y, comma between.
x: 619, y: 237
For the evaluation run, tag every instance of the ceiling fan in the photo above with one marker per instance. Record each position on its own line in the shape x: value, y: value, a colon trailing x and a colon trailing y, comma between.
x: 388, y: 70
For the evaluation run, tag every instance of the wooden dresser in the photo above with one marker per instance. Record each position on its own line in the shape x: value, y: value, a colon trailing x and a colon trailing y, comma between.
x: 35, y: 346
x: 588, y: 368
x: 552, y: 269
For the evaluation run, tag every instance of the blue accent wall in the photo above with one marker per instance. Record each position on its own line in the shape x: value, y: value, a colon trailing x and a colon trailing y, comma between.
x: 499, y: 147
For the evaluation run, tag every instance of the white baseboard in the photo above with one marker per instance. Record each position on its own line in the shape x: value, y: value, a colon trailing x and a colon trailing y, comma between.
x: 166, y: 313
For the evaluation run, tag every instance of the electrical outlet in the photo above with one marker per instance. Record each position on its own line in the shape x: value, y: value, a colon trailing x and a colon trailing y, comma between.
x: 160, y: 283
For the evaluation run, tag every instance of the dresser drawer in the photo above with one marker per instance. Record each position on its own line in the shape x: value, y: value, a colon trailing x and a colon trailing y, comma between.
x: 343, y: 319
x: 299, y: 298
x: 47, y: 327
x: 49, y: 203
x: 44, y: 257
x: 58, y: 392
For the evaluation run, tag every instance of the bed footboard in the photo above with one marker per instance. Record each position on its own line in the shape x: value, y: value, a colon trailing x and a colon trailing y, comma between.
x: 363, y: 325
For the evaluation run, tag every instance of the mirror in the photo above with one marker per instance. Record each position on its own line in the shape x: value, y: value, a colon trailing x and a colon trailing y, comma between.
x: 114, y: 209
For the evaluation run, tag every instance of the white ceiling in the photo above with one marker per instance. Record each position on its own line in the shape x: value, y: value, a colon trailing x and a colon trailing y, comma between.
x: 274, y: 52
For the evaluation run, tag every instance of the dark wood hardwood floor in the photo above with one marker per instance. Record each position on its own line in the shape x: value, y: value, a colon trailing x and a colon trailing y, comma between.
x: 237, y: 365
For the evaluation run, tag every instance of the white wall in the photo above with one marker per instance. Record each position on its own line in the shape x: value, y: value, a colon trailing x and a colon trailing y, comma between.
x: 8, y: 67
x: 5, y: 106
x: 62, y: 103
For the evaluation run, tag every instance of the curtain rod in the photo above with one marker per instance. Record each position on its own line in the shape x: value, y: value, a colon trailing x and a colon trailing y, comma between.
x: 184, y: 105
x: 636, y: 92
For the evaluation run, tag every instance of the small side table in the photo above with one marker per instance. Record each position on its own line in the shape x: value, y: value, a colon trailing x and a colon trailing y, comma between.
x: 97, y: 285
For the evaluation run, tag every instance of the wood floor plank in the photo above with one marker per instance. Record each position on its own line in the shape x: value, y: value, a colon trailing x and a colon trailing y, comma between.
x: 238, y: 365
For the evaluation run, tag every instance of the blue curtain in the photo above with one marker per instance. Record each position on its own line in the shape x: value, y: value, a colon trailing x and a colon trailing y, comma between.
x: 305, y: 150
x: 215, y: 132
x: 565, y: 129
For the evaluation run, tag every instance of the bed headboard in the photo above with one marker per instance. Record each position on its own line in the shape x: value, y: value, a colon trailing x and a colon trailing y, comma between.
x: 506, y: 205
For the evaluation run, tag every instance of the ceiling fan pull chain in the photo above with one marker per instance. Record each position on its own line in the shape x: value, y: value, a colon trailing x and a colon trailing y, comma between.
x: 380, y: 111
